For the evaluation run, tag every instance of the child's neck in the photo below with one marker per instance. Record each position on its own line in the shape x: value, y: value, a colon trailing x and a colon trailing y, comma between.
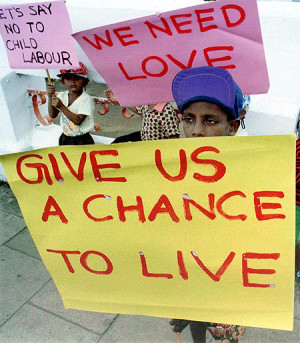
x: 74, y: 95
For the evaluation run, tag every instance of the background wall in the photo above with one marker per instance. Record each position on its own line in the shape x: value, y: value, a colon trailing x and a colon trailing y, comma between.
x: 273, y: 113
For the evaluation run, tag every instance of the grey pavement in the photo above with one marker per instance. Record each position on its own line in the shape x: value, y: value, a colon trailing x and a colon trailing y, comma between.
x: 32, y: 310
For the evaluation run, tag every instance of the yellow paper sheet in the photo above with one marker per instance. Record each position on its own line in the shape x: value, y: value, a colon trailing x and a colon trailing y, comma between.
x: 201, y: 229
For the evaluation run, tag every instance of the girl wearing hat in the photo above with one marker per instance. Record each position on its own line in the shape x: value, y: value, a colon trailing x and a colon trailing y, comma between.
x: 75, y: 106
x: 211, y: 104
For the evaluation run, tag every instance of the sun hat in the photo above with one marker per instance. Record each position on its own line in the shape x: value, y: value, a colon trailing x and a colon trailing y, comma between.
x: 81, y: 71
x: 210, y: 84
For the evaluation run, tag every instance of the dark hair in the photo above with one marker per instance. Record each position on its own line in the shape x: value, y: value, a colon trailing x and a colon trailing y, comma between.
x: 67, y: 76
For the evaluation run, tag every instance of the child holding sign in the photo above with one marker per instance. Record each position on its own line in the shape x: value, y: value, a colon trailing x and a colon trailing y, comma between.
x: 75, y: 106
x: 159, y: 121
x: 211, y: 104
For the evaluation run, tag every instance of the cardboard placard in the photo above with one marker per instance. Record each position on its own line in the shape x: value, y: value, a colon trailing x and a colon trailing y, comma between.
x: 201, y: 229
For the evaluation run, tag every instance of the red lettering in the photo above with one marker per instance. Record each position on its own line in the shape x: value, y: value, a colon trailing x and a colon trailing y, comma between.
x: 87, y: 202
x: 158, y: 208
x: 187, y: 201
x: 246, y: 270
x: 145, y: 269
x: 64, y: 254
x: 178, y: 25
x: 79, y: 174
x: 215, y: 277
x: 83, y: 261
x: 183, y: 166
x: 157, y: 74
x: 264, y: 206
x: 97, y: 166
x: 130, y: 78
x: 40, y: 168
x: 180, y: 64
x: 166, y: 29
x: 205, y: 19
x: 139, y: 207
x: 182, y: 270
x: 225, y: 197
x: 242, y: 15
x: 123, y: 37
x: 220, y: 168
x: 55, y: 168
x: 97, y: 44
x: 56, y: 212
x: 210, y: 60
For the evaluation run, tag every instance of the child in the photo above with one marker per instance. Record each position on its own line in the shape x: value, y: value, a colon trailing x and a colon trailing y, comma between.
x: 159, y: 121
x: 75, y: 106
x: 211, y: 104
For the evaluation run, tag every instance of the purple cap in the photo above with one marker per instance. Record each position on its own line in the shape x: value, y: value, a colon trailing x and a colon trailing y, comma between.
x: 210, y: 84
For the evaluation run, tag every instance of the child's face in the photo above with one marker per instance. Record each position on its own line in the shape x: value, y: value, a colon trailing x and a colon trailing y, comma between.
x: 74, y: 83
x: 205, y: 119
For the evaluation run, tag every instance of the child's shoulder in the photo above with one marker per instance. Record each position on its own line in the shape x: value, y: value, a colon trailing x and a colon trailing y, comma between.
x: 86, y: 97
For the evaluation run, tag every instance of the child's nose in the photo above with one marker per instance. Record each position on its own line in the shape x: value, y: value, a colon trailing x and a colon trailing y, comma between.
x: 199, y: 130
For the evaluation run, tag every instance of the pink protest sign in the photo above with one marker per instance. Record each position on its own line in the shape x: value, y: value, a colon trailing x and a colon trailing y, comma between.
x: 38, y: 36
x: 139, y: 58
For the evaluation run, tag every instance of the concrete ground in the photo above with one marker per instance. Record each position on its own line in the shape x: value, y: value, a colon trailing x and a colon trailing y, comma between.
x: 32, y: 310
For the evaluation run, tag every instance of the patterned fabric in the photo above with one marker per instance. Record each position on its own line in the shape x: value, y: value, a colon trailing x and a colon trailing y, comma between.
x: 158, y: 125
x: 297, y: 223
x: 225, y: 333
x: 298, y: 172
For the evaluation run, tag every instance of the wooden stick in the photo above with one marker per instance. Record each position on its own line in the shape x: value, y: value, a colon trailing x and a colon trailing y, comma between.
x: 178, y: 337
x: 48, y: 75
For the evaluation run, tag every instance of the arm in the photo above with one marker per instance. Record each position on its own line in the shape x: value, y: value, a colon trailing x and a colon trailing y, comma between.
x: 111, y: 97
x: 75, y: 118
x: 53, y: 112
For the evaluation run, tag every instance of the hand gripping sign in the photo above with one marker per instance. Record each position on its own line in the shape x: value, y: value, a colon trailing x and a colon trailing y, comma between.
x: 139, y: 58
x: 201, y: 229
x: 38, y: 36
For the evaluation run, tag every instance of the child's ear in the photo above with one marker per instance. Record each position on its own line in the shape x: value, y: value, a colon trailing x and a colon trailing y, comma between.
x: 233, y: 127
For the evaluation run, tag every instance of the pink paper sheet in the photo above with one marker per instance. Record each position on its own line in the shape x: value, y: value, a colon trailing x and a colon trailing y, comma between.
x: 139, y: 58
x: 38, y: 36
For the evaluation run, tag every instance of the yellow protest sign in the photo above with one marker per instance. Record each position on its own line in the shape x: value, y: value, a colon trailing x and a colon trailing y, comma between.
x: 201, y: 229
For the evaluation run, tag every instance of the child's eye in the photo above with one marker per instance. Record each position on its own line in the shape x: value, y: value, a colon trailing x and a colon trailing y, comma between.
x: 210, y: 121
x: 188, y: 119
